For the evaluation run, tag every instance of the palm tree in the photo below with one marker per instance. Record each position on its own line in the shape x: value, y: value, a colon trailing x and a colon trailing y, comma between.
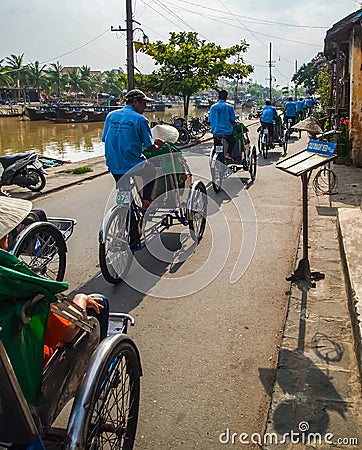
x: 74, y: 79
x: 14, y: 64
x: 55, y: 77
x: 85, y: 80
x: 36, y: 75
x: 5, y: 79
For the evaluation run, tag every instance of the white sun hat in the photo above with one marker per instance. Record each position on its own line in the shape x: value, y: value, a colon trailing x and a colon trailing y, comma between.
x: 165, y: 133
x: 12, y: 212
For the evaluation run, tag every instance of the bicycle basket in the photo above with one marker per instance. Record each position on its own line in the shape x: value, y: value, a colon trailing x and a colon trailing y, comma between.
x: 23, y: 335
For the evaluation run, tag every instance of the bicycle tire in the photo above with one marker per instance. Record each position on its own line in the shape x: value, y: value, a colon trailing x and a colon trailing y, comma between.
x: 43, y: 250
x: 183, y: 136
x: 285, y: 144
x: 217, y: 174
x: 40, y: 182
x: 115, y: 255
x: 253, y: 164
x: 197, y: 131
x: 259, y: 141
x: 105, y: 412
x: 265, y: 149
x: 197, y: 214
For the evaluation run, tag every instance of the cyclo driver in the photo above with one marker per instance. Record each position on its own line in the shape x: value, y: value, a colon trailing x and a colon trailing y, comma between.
x: 126, y: 131
x: 268, y: 115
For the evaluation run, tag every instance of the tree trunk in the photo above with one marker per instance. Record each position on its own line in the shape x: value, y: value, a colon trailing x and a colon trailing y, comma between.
x: 186, y: 106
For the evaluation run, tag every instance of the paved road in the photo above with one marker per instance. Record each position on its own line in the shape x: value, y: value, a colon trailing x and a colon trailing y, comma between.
x: 204, y: 354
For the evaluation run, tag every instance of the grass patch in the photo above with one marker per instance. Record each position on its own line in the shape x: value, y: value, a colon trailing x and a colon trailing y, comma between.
x: 79, y: 170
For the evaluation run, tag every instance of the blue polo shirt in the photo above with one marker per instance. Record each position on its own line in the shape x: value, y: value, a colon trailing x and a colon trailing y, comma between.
x: 299, y: 105
x: 124, y: 133
x: 268, y: 114
x: 289, y: 109
x: 220, y: 117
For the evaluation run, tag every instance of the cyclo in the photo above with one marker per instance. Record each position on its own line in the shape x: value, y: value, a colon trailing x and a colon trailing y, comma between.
x: 265, y: 142
x: 127, y: 229
x: 220, y: 168
x: 103, y: 379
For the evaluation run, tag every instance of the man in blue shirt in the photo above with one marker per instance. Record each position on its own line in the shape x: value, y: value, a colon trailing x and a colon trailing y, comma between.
x: 125, y: 131
x: 269, y: 113
x: 290, y: 112
x: 309, y: 105
x: 299, y: 106
x: 222, y: 119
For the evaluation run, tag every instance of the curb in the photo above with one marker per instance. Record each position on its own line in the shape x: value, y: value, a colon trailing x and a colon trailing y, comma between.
x: 351, y: 219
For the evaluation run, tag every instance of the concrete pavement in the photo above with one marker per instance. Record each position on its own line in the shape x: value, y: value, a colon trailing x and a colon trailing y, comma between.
x: 317, y: 381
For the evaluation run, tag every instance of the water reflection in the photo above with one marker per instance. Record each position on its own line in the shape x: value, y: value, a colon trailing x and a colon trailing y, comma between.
x: 65, y: 141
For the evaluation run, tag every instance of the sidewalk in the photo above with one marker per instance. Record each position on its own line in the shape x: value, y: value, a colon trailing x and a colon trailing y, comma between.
x: 317, y: 387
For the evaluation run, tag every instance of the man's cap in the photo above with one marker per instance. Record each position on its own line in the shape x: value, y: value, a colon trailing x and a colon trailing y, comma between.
x: 136, y: 94
x: 12, y: 212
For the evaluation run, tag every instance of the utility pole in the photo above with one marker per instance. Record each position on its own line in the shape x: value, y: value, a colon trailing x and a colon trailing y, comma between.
x: 130, y: 54
x: 270, y: 64
x: 295, y: 86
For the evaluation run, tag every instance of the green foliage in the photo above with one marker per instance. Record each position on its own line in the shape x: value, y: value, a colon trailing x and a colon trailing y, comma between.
x: 324, y: 88
x: 79, y: 170
x: 189, y: 64
x: 308, y: 73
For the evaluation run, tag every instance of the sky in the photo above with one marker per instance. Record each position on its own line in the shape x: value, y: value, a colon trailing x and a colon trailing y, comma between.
x: 78, y: 32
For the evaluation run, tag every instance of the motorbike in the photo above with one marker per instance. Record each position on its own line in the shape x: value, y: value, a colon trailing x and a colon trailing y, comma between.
x: 24, y: 170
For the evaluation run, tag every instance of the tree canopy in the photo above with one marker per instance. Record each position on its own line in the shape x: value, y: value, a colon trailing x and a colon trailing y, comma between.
x: 308, y: 73
x: 189, y: 64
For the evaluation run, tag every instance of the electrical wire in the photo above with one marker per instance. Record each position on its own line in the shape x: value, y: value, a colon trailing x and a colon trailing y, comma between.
x: 325, y: 181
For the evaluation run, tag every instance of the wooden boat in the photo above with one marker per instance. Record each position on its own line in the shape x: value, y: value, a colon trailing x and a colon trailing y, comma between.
x: 40, y: 113
x: 95, y: 116
x: 72, y: 120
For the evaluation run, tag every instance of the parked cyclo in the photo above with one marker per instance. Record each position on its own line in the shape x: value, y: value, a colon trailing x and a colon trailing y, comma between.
x: 126, y: 228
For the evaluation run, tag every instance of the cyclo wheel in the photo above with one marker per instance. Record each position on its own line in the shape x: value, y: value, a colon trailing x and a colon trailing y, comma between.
x: 115, y: 255
x: 42, y: 248
x: 265, y: 148
x: 217, y: 173
x: 253, y: 163
x: 285, y: 143
x: 105, y: 410
x: 259, y: 141
x: 197, y: 210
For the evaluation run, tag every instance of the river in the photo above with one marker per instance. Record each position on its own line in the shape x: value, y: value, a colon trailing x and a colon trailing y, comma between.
x: 69, y: 141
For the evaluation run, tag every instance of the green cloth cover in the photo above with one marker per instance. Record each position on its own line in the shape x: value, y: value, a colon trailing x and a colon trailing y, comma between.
x: 24, y: 342
x: 166, y: 161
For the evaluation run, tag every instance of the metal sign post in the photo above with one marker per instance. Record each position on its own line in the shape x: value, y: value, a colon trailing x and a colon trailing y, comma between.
x: 318, y: 153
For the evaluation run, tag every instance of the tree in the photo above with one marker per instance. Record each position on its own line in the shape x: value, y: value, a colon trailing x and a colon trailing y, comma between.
x: 74, y: 79
x: 36, y: 75
x: 55, y: 77
x: 5, y: 78
x: 189, y: 64
x: 16, y: 70
x: 308, y: 73
x: 85, y: 82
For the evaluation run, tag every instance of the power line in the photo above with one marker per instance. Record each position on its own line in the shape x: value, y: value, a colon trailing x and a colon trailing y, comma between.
x: 258, y: 20
x: 74, y: 50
